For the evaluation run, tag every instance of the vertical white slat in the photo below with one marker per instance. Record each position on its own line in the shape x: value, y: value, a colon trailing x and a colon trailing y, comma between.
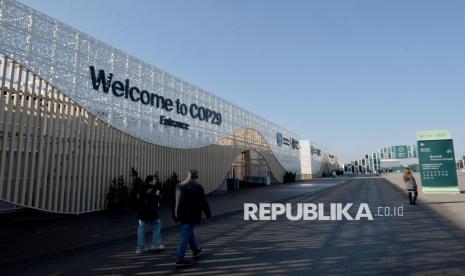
x: 88, y: 167
x: 28, y: 139
x: 118, y: 155
x: 21, y: 141
x: 43, y: 136
x: 138, y: 157
x: 11, y: 130
x: 140, y: 146
x: 146, y: 155
x: 94, y: 165
x: 74, y: 142
x: 146, y: 161
x: 162, y: 167
x: 156, y: 153
x: 108, y: 176
x: 78, y: 152
x: 79, y: 175
x: 113, y: 160
x: 62, y: 148
x: 66, y: 160
x: 125, y: 154
x: 54, y: 169
x: 119, y: 150
x: 121, y: 155
x: 59, y: 144
x: 108, y: 159
x: 113, y: 154
x: 3, y: 121
x: 100, y: 165
x: 132, y: 152
x: 83, y: 166
x: 130, y: 155
x: 101, y: 168
x: 103, y: 176
x: 50, y: 155
x: 4, y: 71
x: 2, y: 63
x: 90, y: 163
x: 14, y: 141
x: 150, y: 158
x: 126, y: 157
x: 36, y: 141
x: 78, y: 172
x: 108, y: 167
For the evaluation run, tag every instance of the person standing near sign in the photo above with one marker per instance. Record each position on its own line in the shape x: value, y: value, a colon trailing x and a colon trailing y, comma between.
x: 147, y: 204
x: 411, y: 186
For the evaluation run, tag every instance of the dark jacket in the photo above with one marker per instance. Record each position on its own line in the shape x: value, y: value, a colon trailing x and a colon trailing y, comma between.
x: 190, y: 203
x: 147, y: 203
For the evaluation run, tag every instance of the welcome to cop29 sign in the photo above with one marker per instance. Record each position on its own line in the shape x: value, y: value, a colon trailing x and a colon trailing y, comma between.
x: 125, y: 90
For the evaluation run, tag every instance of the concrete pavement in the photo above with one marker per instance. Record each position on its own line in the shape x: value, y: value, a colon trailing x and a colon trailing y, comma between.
x: 420, y: 242
x: 448, y: 205
x: 30, y: 235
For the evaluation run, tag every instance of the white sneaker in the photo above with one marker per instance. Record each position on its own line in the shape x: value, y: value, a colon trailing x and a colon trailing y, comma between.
x: 154, y: 248
x: 138, y: 251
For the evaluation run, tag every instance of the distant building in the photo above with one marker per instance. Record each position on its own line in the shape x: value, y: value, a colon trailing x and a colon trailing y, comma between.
x: 387, y: 158
x: 316, y: 161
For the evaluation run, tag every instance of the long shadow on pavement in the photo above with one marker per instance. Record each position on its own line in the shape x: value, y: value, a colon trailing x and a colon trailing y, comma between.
x: 420, y: 242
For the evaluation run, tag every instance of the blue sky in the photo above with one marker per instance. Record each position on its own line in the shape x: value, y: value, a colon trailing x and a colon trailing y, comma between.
x: 350, y: 75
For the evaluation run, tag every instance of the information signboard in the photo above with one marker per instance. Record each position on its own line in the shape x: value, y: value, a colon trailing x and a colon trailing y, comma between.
x: 437, y: 162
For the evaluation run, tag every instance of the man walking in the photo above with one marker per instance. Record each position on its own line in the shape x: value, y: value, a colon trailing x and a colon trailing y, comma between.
x: 188, y: 207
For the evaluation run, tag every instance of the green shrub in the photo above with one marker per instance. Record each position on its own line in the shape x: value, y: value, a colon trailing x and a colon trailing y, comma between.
x: 169, y: 187
x: 137, y: 183
x: 117, y: 197
x: 289, y: 177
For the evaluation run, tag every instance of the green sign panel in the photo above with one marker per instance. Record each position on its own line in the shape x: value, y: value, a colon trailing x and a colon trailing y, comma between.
x: 437, y: 162
x: 400, y: 152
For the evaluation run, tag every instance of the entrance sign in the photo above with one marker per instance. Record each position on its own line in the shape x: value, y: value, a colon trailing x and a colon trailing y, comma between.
x: 437, y: 161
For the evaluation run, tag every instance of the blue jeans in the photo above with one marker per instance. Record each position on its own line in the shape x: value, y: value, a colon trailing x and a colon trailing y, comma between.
x: 187, y: 237
x: 156, y: 237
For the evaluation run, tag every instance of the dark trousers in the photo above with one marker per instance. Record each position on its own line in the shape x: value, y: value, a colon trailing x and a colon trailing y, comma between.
x: 412, y: 196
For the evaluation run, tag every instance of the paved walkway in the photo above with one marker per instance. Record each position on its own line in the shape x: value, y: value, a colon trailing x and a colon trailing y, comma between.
x: 449, y: 205
x: 29, y: 235
x: 419, y: 242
